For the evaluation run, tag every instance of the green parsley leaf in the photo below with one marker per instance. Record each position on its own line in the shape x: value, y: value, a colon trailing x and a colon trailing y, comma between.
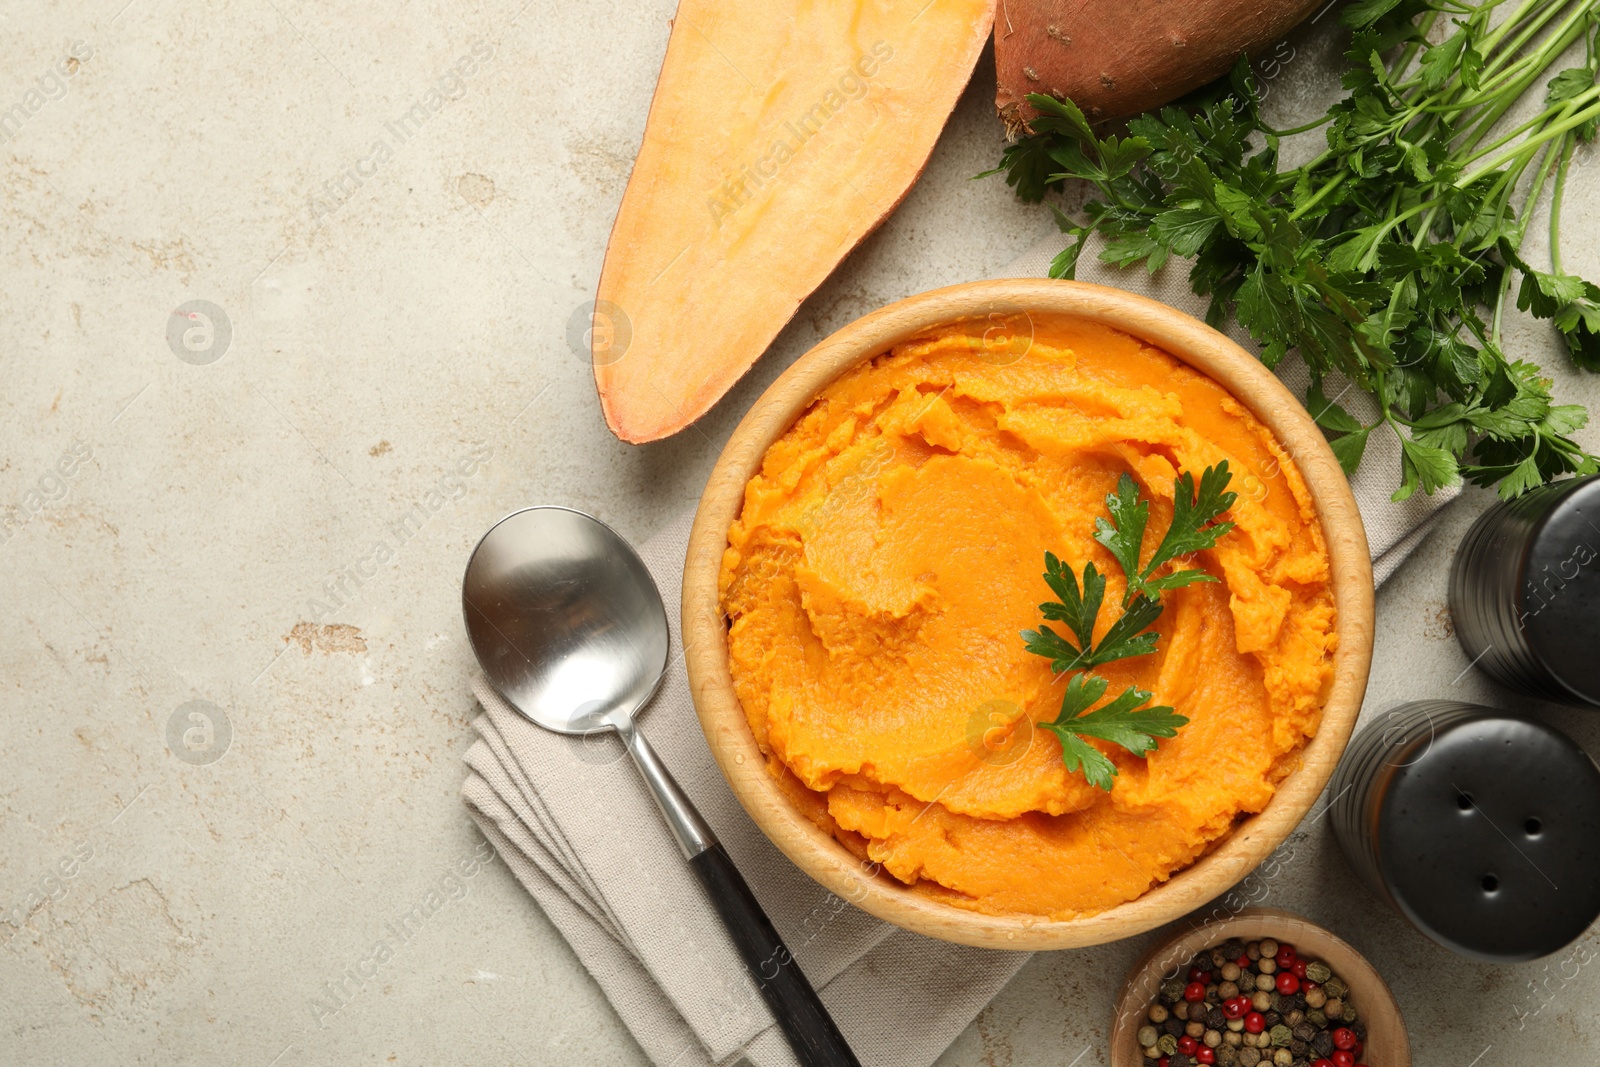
x: 1126, y: 721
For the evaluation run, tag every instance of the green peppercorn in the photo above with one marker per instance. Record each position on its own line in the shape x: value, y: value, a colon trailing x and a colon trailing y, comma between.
x: 1335, y: 986
x: 1316, y: 1018
x: 1318, y: 972
x: 1281, y: 1036
x: 1167, y: 1044
x: 1172, y: 991
x: 1349, y: 1013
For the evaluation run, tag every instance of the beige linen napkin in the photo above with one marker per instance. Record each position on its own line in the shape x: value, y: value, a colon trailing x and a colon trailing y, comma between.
x: 575, y: 825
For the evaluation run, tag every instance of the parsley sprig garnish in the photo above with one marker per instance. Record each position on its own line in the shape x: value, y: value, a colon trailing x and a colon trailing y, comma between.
x: 1127, y: 720
x: 1393, y: 255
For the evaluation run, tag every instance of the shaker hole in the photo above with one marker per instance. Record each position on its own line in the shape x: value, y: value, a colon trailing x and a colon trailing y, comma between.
x: 1490, y: 883
x: 1464, y: 801
x: 1534, y: 827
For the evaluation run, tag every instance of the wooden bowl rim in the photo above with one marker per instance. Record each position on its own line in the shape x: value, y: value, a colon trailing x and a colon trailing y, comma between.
x: 1373, y: 998
x: 1190, y: 341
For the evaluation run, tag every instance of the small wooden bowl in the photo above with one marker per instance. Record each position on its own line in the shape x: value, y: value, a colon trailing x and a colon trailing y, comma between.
x: 1386, y: 1044
x: 705, y: 634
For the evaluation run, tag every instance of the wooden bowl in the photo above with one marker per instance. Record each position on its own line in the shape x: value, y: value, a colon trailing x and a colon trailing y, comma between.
x: 1186, y: 339
x: 1386, y: 1044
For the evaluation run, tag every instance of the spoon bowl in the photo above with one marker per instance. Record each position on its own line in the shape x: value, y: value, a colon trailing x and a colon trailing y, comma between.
x: 565, y: 619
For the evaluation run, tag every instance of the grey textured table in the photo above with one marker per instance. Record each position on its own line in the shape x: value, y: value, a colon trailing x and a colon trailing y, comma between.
x: 265, y: 509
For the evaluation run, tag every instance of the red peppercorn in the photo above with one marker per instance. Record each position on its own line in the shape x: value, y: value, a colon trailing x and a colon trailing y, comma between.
x: 1288, y: 984
x: 1344, y: 1038
x: 1197, y: 975
x: 1243, y: 962
x: 1235, y: 1007
x: 1255, y: 1022
x: 1196, y: 991
x: 1308, y: 985
x: 1285, y: 957
x: 1299, y: 968
x: 1357, y: 1049
x: 1187, y: 1045
x: 1324, y: 1062
x: 1342, y: 1058
x: 1164, y: 1062
x: 1205, y: 1055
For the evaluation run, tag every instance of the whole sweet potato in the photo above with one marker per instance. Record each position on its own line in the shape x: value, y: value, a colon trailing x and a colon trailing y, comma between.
x: 1118, y: 58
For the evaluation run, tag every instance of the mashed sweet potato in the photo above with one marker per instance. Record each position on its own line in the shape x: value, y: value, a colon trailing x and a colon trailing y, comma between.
x: 892, y: 547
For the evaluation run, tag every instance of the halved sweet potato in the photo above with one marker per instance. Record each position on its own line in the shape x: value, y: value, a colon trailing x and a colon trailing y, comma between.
x: 782, y: 132
x: 1115, y: 60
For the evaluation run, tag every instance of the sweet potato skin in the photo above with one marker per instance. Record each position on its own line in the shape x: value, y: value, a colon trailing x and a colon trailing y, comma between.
x: 781, y: 133
x: 1117, y: 59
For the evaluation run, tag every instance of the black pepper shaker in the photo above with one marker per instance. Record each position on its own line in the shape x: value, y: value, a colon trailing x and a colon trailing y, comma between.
x: 1525, y: 592
x: 1480, y: 826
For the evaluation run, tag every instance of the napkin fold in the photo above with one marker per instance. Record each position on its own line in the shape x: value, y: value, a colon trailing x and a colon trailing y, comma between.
x: 577, y: 827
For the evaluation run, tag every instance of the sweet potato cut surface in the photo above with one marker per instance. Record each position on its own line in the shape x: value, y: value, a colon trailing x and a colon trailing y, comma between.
x: 782, y: 132
x: 1118, y: 59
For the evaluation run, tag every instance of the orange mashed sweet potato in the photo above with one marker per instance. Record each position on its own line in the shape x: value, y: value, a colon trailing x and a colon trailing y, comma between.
x: 890, y: 550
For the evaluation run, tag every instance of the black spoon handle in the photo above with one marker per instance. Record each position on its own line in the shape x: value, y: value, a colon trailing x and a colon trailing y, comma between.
x: 800, y: 1013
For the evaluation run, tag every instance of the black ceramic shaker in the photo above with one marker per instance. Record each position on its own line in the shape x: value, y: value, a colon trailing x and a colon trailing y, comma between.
x: 1480, y: 826
x: 1525, y: 592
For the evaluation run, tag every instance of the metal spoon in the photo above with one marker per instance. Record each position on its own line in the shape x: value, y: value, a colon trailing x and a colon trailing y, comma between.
x: 569, y: 627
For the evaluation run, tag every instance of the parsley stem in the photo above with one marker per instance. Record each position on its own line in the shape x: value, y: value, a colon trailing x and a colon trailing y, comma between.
x: 1492, y: 41
x: 1300, y: 212
x: 1571, y: 122
x: 1567, y: 143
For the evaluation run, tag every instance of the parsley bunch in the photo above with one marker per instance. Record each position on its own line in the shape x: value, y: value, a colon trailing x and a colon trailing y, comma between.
x: 1391, y: 257
x: 1126, y: 720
